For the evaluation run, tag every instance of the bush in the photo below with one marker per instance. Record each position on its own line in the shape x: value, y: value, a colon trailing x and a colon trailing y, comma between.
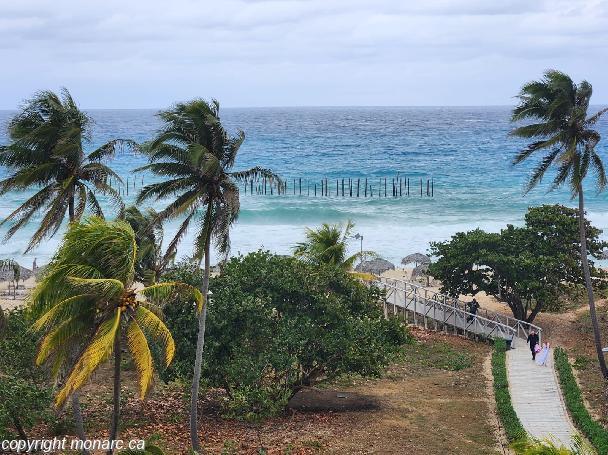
x: 508, y: 417
x: 549, y: 447
x: 594, y: 431
x: 276, y: 324
x: 25, y: 395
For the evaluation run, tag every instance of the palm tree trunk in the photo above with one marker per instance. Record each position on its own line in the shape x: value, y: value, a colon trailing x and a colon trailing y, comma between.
x: 198, y: 362
x: 589, y: 285
x: 116, y: 410
x: 71, y: 209
x: 78, y: 420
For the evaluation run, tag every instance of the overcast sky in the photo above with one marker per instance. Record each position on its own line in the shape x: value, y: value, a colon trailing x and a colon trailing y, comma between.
x: 149, y: 53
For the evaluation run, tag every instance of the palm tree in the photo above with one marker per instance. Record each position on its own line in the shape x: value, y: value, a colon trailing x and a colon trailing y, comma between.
x: 47, y: 153
x: 328, y: 245
x: 565, y: 134
x: 87, y: 303
x: 149, y: 235
x: 197, y: 155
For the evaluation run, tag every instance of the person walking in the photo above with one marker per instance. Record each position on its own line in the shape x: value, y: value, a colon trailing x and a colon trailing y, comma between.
x: 473, y: 307
x: 532, y: 340
x: 543, y: 355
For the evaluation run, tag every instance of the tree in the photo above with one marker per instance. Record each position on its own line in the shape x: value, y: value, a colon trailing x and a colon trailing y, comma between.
x: 278, y: 324
x: 329, y: 245
x: 47, y: 152
x: 151, y: 261
x: 198, y: 155
x: 88, y: 303
x: 565, y: 135
x: 528, y: 268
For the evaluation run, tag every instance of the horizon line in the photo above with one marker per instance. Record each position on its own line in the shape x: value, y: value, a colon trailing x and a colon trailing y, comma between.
x: 306, y: 106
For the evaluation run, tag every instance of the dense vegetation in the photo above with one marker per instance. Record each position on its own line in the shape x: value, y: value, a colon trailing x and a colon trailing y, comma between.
x: 526, y: 267
x: 507, y: 415
x: 25, y: 392
x: 277, y: 324
x: 593, y: 431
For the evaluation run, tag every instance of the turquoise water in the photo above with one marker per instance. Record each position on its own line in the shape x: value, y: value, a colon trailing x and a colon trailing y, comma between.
x: 466, y: 151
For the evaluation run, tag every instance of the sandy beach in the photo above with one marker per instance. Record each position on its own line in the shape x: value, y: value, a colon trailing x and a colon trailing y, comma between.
x: 9, y: 302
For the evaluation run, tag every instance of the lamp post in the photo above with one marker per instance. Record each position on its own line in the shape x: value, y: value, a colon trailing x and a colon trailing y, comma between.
x: 360, y: 237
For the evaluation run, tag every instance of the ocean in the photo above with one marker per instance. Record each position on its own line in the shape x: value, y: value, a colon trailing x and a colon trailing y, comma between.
x: 466, y: 151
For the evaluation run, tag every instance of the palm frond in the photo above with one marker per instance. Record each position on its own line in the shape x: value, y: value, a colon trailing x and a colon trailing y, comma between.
x: 109, y: 149
x: 98, y: 350
x: 65, y: 309
x: 162, y: 291
x: 142, y: 357
x: 104, y: 288
x: 155, y: 328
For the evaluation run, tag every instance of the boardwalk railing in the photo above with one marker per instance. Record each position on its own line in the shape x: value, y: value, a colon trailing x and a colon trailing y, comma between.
x: 428, y: 306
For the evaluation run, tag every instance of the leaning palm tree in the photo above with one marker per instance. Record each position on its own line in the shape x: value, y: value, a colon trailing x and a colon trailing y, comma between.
x: 47, y: 153
x: 565, y: 135
x: 195, y: 155
x: 329, y: 245
x: 87, y: 304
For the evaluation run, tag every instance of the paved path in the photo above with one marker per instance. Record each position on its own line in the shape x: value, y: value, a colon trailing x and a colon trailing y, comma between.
x: 536, y: 397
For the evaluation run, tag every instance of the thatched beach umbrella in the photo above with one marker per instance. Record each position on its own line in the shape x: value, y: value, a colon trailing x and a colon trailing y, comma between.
x: 421, y: 271
x: 375, y: 266
x: 8, y: 269
x: 417, y: 259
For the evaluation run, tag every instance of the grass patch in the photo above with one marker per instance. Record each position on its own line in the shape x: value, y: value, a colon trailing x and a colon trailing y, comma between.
x: 594, y: 431
x: 508, y: 418
x: 581, y: 362
x: 438, y: 355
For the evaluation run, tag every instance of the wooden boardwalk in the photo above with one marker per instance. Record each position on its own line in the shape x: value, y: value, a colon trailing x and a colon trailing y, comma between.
x: 536, y: 397
x: 429, y: 308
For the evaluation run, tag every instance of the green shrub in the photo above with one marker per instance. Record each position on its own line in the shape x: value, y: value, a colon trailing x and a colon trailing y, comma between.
x: 276, y: 324
x: 25, y: 394
x: 594, y: 431
x: 549, y: 447
x: 508, y: 417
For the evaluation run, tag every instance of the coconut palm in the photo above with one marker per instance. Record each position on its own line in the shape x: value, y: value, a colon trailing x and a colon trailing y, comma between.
x: 195, y: 155
x: 47, y: 153
x: 565, y: 136
x: 88, y: 304
x: 329, y: 245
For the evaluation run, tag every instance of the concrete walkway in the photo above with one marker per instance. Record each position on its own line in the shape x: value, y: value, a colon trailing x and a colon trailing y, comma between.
x: 536, y: 397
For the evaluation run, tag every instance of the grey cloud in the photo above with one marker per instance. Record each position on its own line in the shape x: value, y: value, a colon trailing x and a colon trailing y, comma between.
x: 234, y: 47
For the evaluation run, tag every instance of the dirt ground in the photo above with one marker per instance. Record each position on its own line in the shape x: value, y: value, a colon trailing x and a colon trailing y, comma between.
x: 434, y: 400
